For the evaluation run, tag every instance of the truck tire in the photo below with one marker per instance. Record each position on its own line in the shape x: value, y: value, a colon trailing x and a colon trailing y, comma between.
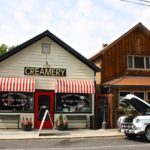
x: 130, y: 136
x: 147, y: 134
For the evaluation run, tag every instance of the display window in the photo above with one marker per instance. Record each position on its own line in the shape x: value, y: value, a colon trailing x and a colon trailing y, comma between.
x: 73, y: 103
x: 16, y: 102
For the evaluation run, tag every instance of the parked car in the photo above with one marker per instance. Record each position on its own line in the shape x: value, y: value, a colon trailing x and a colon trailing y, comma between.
x: 136, y: 125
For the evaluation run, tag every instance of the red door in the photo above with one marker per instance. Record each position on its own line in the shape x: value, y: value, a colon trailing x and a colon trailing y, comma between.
x: 44, y: 101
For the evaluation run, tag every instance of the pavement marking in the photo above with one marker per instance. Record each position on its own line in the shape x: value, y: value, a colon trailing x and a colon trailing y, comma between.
x: 85, y: 148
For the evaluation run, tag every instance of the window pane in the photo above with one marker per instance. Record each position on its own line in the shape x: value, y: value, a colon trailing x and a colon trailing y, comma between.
x: 139, y: 62
x: 130, y: 61
x: 43, y: 105
x: 73, y: 103
x: 123, y: 94
x: 16, y: 102
x: 45, y: 48
x: 148, y: 62
x: 148, y: 97
x: 139, y: 94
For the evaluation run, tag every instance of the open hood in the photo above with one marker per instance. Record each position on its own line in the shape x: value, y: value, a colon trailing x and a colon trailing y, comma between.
x: 139, y: 104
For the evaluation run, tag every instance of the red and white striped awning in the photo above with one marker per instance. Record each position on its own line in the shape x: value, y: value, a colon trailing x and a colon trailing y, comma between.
x: 75, y: 86
x: 17, y: 84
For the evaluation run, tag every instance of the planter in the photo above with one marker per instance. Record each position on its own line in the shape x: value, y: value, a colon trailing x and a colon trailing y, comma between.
x: 62, y: 127
x: 27, y: 127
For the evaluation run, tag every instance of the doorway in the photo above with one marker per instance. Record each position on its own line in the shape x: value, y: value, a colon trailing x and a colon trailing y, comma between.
x: 102, y: 110
x: 44, y: 100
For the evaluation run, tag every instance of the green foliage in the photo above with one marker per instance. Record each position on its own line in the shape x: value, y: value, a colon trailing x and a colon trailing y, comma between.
x: 61, y: 119
x: 12, y: 47
x: 3, y: 48
x: 61, y: 123
x: 126, y: 110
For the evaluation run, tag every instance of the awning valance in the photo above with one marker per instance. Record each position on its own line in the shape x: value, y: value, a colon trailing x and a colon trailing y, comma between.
x: 17, y: 84
x: 75, y: 86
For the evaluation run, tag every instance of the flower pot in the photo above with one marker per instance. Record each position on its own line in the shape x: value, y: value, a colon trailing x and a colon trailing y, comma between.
x: 27, y: 127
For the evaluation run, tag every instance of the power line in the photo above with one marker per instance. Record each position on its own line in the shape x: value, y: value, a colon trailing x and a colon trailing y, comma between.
x: 138, y: 3
x: 145, y: 1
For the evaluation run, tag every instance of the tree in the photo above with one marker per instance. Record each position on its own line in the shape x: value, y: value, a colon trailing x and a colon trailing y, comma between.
x: 3, y: 48
x: 12, y: 47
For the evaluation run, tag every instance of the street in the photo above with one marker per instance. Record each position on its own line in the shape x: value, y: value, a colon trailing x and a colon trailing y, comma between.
x: 75, y: 144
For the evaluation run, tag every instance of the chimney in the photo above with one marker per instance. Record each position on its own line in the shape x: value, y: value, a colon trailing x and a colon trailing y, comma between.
x: 104, y: 45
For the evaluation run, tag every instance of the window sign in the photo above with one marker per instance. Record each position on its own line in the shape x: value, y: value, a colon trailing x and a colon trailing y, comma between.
x: 73, y: 103
x: 14, y: 101
x: 36, y: 71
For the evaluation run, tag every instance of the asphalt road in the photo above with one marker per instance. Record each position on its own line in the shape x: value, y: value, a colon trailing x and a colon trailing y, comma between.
x: 75, y: 144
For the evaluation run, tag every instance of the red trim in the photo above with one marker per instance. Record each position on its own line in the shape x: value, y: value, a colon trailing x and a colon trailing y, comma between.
x: 47, y: 124
x: 75, y: 86
x: 17, y: 84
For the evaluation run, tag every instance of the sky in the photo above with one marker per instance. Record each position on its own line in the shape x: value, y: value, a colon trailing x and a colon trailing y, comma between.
x: 83, y: 24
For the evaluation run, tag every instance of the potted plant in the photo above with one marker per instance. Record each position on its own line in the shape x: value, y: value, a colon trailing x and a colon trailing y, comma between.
x: 61, y: 123
x: 120, y: 111
x: 26, y: 124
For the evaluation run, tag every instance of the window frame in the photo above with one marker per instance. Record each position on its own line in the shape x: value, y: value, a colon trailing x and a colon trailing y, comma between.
x: 140, y: 92
x: 148, y: 100
x: 133, y: 62
x: 44, y: 51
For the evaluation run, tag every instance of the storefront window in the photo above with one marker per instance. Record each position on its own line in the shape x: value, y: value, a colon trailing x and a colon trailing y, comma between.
x: 73, y: 103
x: 16, y: 102
x: 123, y: 94
x: 139, y: 94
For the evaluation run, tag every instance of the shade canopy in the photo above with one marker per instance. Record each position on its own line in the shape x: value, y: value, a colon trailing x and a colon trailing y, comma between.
x: 17, y: 84
x: 75, y: 86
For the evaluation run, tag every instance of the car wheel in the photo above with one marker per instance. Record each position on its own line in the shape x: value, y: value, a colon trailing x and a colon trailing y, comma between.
x: 147, y: 134
x: 130, y: 136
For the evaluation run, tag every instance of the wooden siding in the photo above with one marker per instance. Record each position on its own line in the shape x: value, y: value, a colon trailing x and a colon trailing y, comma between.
x: 58, y: 58
x: 115, y: 58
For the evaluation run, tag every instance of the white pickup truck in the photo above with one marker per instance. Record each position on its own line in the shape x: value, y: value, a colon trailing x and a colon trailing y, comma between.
x: 137, y: 125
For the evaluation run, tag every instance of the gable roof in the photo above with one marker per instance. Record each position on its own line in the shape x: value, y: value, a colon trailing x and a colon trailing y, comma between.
x: 55, y: 39
x: 139, y: 25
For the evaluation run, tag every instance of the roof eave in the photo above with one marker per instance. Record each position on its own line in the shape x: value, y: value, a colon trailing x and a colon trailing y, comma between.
x: 118, y: 39
x: 126, y: 86
x: 55, y: 39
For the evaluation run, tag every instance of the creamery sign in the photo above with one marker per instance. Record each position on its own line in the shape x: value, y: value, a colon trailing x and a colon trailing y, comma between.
x: 36, y: 71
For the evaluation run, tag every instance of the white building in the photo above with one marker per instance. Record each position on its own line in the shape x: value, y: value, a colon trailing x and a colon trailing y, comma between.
x: 45, y: 73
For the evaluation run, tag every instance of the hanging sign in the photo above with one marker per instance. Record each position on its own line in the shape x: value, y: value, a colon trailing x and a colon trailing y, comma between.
x: 36, y: 71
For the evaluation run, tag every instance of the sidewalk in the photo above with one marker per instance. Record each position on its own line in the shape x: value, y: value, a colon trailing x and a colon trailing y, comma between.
x: 76, y: 133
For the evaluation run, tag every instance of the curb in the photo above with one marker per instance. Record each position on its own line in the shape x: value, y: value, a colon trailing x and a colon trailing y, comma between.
x: 58, y: 137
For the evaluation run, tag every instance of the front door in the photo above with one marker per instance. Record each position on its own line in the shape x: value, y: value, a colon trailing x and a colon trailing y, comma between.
x: 44, y: 101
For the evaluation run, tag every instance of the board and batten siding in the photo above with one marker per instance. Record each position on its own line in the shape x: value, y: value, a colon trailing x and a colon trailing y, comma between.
x: 115, y: 57
x: 58, y: 58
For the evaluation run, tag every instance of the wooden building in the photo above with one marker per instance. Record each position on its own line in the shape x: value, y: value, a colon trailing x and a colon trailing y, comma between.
x: 125, y: 65
x: 44, y: 73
